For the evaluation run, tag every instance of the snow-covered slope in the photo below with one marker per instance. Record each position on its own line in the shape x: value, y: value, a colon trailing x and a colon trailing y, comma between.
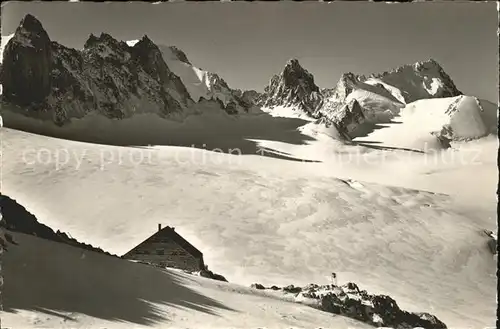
x: 265, y: 220
x: 51, y: 285
x: 377, y: 102
x: 425, y: 79
x: 431, y: 124
x: 383, y: 95
x: 199, y: 83
x: 194, y: 79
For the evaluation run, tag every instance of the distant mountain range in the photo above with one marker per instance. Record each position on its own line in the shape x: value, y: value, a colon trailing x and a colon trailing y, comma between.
x: 116, y: 79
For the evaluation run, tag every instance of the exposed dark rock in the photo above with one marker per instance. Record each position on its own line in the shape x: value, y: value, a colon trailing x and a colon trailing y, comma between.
x: 292, y: 289
x: 351, y: 286
x: 248, y: 98
x: 377, y: 310
x: 27, y: 64
x: 492, y: 241
x: 348, y: 117
x: 293, y: 87
x: 257, y: 286
x: 211, y: 275
x: 149, y: 57
x: 231, y: 108
x: 386, y: 308
x: 6, y: 240
x: 217, y: 83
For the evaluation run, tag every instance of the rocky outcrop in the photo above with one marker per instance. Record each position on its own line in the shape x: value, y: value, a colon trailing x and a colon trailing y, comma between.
x: 348, y: 300
x: 347, y: 117
x: 249, y: 98
x: 444, y: 136
x: 492, y: 241
x: 377, y: 310
x: 294, y: 87
x: 257, y: 286
x: 206, y: 273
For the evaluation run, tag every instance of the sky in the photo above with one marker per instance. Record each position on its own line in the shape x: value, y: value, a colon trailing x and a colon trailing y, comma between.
x: 246, y: 43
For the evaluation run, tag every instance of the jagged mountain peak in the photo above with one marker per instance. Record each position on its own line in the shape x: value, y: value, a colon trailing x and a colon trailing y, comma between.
x: 27, y: 63
x: 293, y: 63
x: 106, y: 37
x: 146, y: 43
x: 294, y: 74
x: 427, y: 64
x: 346, y: 84
x: 430, y: 61
x: 419, y: 66
x: 103, y: 39
x: 357, y: 98
x: 350, y: 77
x: 108, y: 77
x: 293, y: 87
x: 150, y: 57
x: 31, y: 24
x: 30, y: 32
x: 423, y: 79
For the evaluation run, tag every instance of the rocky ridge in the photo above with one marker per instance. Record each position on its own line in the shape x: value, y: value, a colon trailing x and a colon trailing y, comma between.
x: 348, y: 300
x: 15, y: 218
x: 378, y: 97
x: 50, y: 81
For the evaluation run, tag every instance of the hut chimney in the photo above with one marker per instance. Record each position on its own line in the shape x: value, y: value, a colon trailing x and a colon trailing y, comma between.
x: 159, y: 227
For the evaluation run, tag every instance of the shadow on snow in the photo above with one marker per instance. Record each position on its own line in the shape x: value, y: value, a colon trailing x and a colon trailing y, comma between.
x: 85, y: 282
